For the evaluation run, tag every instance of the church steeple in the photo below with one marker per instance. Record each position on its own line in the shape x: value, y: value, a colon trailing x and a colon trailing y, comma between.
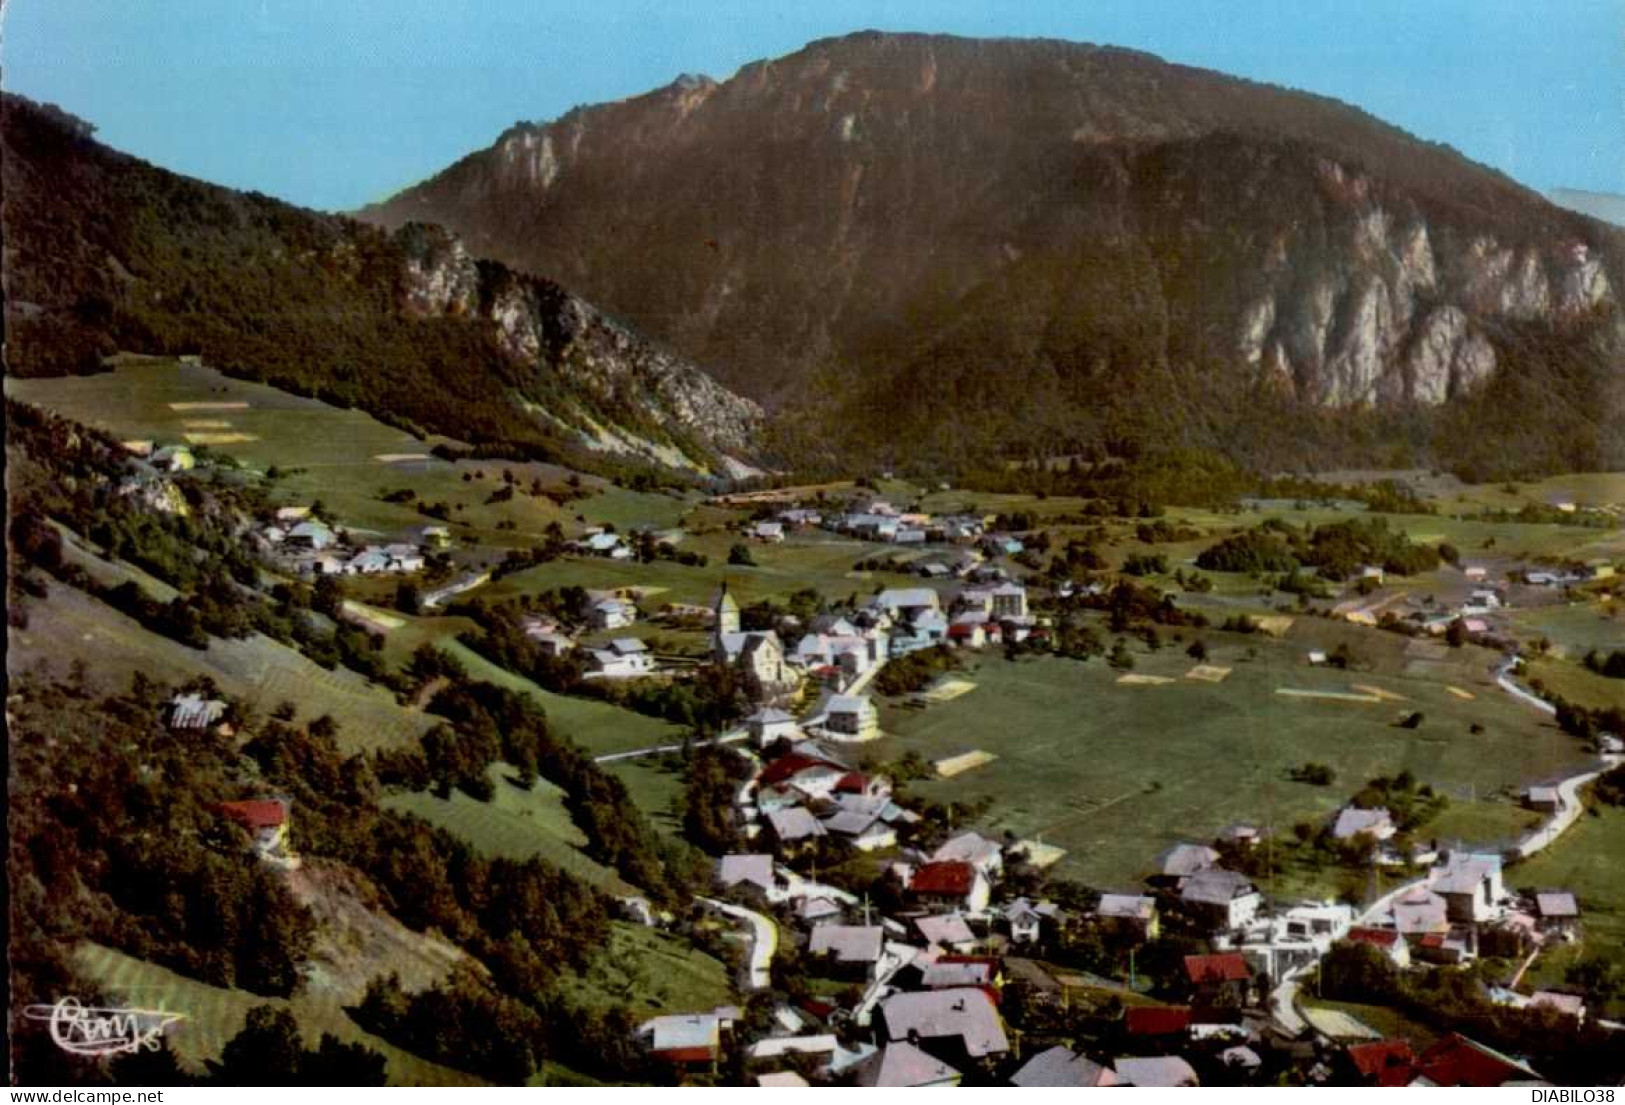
x: 726, y: 610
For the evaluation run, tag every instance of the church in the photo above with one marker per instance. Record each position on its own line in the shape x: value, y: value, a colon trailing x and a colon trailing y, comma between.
x: 757, y: 655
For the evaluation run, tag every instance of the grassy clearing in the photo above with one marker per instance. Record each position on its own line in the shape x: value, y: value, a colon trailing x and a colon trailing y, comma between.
x: 516, y: 824
x: 214, y: 1015
x: 656, y: 786
x: 69, y: 625
x: 653, y: 972
x: 1114, y: 774
x: 596, y: 726
x: 1575, y: 683
x: 1574, y: 629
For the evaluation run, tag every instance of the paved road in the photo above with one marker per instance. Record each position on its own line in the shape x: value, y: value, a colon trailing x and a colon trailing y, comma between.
x: 764, y: 942
x: 1503, y: 679
x: 661, y: 749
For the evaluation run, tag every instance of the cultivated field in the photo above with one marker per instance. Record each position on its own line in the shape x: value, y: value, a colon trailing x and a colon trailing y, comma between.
x: 214, y: 1015
x: 1114, y: 773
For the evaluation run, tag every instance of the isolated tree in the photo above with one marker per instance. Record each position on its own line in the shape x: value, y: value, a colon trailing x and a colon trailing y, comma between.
x: 1197, y: 651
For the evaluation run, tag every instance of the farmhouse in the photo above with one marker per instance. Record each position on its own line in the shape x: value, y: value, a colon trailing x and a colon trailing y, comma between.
x: 975, y: 849
x: 754, y: 870
x: 1387, y: 941
x: 907, y: 603
x: 1221, y: 980
x: 852, y: 716
x: 769, y: 724
x: 1058, y: 1066
x: 312, y: 535
x: 1543, y: 799
x: 960, y: 1021
x: 1378, y: 824
x: 267, y: 821
x: 795, y: 826
x: 863, y: 829
x: 1471, y: 886
x: 611, y: 613
x: 1135, y: 914
x: 624, y: 658
x: 693, y: 1039
x: 1421, y: 913
x: 1222, y: 899
x: 904, y: 1066
x: 607, y: 545
x: 1558, y: 911
x: 950, y: 884
x: 1026, y: 919
x: 947, y: 931
x: 1186, y: 859
x: 770, y: 532
x: 855, y: 947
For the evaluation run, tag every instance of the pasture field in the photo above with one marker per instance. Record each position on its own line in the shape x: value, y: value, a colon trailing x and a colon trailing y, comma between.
x: 1116, y: 773
x: 820, y: 561
x: 1589, y: 860
x: 596, y: 726
x: 214, y: 1015
x: 653, y: 972
x: 1577, y: 684
x: 1573, y: 628
x: 70, y: 625
x: 515, y: 824
x: 331, y: 454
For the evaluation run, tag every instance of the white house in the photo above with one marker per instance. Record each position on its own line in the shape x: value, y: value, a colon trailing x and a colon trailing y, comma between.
x: 768, y: 725
x: 612, y: 613
x: 852, y: 716
x: 1223, y: 898
x: 624, y: 657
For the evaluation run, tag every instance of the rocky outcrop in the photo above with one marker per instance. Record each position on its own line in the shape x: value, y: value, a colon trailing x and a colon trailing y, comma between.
x: 622, y: 393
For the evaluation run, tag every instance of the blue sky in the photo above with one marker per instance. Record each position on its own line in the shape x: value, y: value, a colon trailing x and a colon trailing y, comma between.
x: 331, y: 103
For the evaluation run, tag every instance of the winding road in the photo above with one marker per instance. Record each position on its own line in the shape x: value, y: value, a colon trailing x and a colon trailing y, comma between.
x: 764, y: 941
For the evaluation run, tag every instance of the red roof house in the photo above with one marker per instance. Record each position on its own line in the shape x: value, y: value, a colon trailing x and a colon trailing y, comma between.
x: 1158, y: 1020
x: 1457, y: 1061
x: 1384, y: 1063
x: 1229, y: 967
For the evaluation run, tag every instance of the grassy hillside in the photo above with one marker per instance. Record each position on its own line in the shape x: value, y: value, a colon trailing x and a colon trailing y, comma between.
x: 215, y: 1015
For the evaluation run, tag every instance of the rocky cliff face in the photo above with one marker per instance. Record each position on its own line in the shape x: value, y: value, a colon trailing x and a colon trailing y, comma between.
x: 878, y: 211
x: 621, y: 393
x: 407, y: 325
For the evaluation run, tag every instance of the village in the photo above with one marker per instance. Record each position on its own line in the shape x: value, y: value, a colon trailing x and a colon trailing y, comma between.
x: 882, y: 926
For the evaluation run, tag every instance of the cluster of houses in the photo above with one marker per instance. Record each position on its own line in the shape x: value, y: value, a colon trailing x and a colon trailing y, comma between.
x: 913, y: 997
x: 878, y: 520
x: 313, y: 547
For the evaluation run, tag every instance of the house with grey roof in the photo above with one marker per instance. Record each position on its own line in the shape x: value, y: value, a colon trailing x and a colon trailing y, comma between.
x: 1186, y: 859
x: 1135, y: 913
x: 794, y: 825
x: 754, y: 870
x: 851, y: 949
x: 1378, y: 823
x: 1161, y: 1070
x: 1471, y: 885
x: 1222, y: 899
x: 961, y: 1021
x: 904, y: 1066
x: 987, y: 856
x: 851, y: 716
x: 948, y: 931
x: 1059, y: 1066
x: 1557, y: 911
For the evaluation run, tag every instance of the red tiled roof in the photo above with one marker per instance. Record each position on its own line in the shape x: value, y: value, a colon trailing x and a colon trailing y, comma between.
x: 853, y: 782
x: 1458, y: 1061
x: 1158, y: 1020
x: 949, y: 876
x: 686, y: 1054
x: 1382, y: 938
x: 257, y: 813
x: 1388, y: 1062
x: 1229, y: 967
x: 788, y: 767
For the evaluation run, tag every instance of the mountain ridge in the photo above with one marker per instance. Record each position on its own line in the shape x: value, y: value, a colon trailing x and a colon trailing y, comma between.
x: 832, y: 216
x: 106, y: 252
